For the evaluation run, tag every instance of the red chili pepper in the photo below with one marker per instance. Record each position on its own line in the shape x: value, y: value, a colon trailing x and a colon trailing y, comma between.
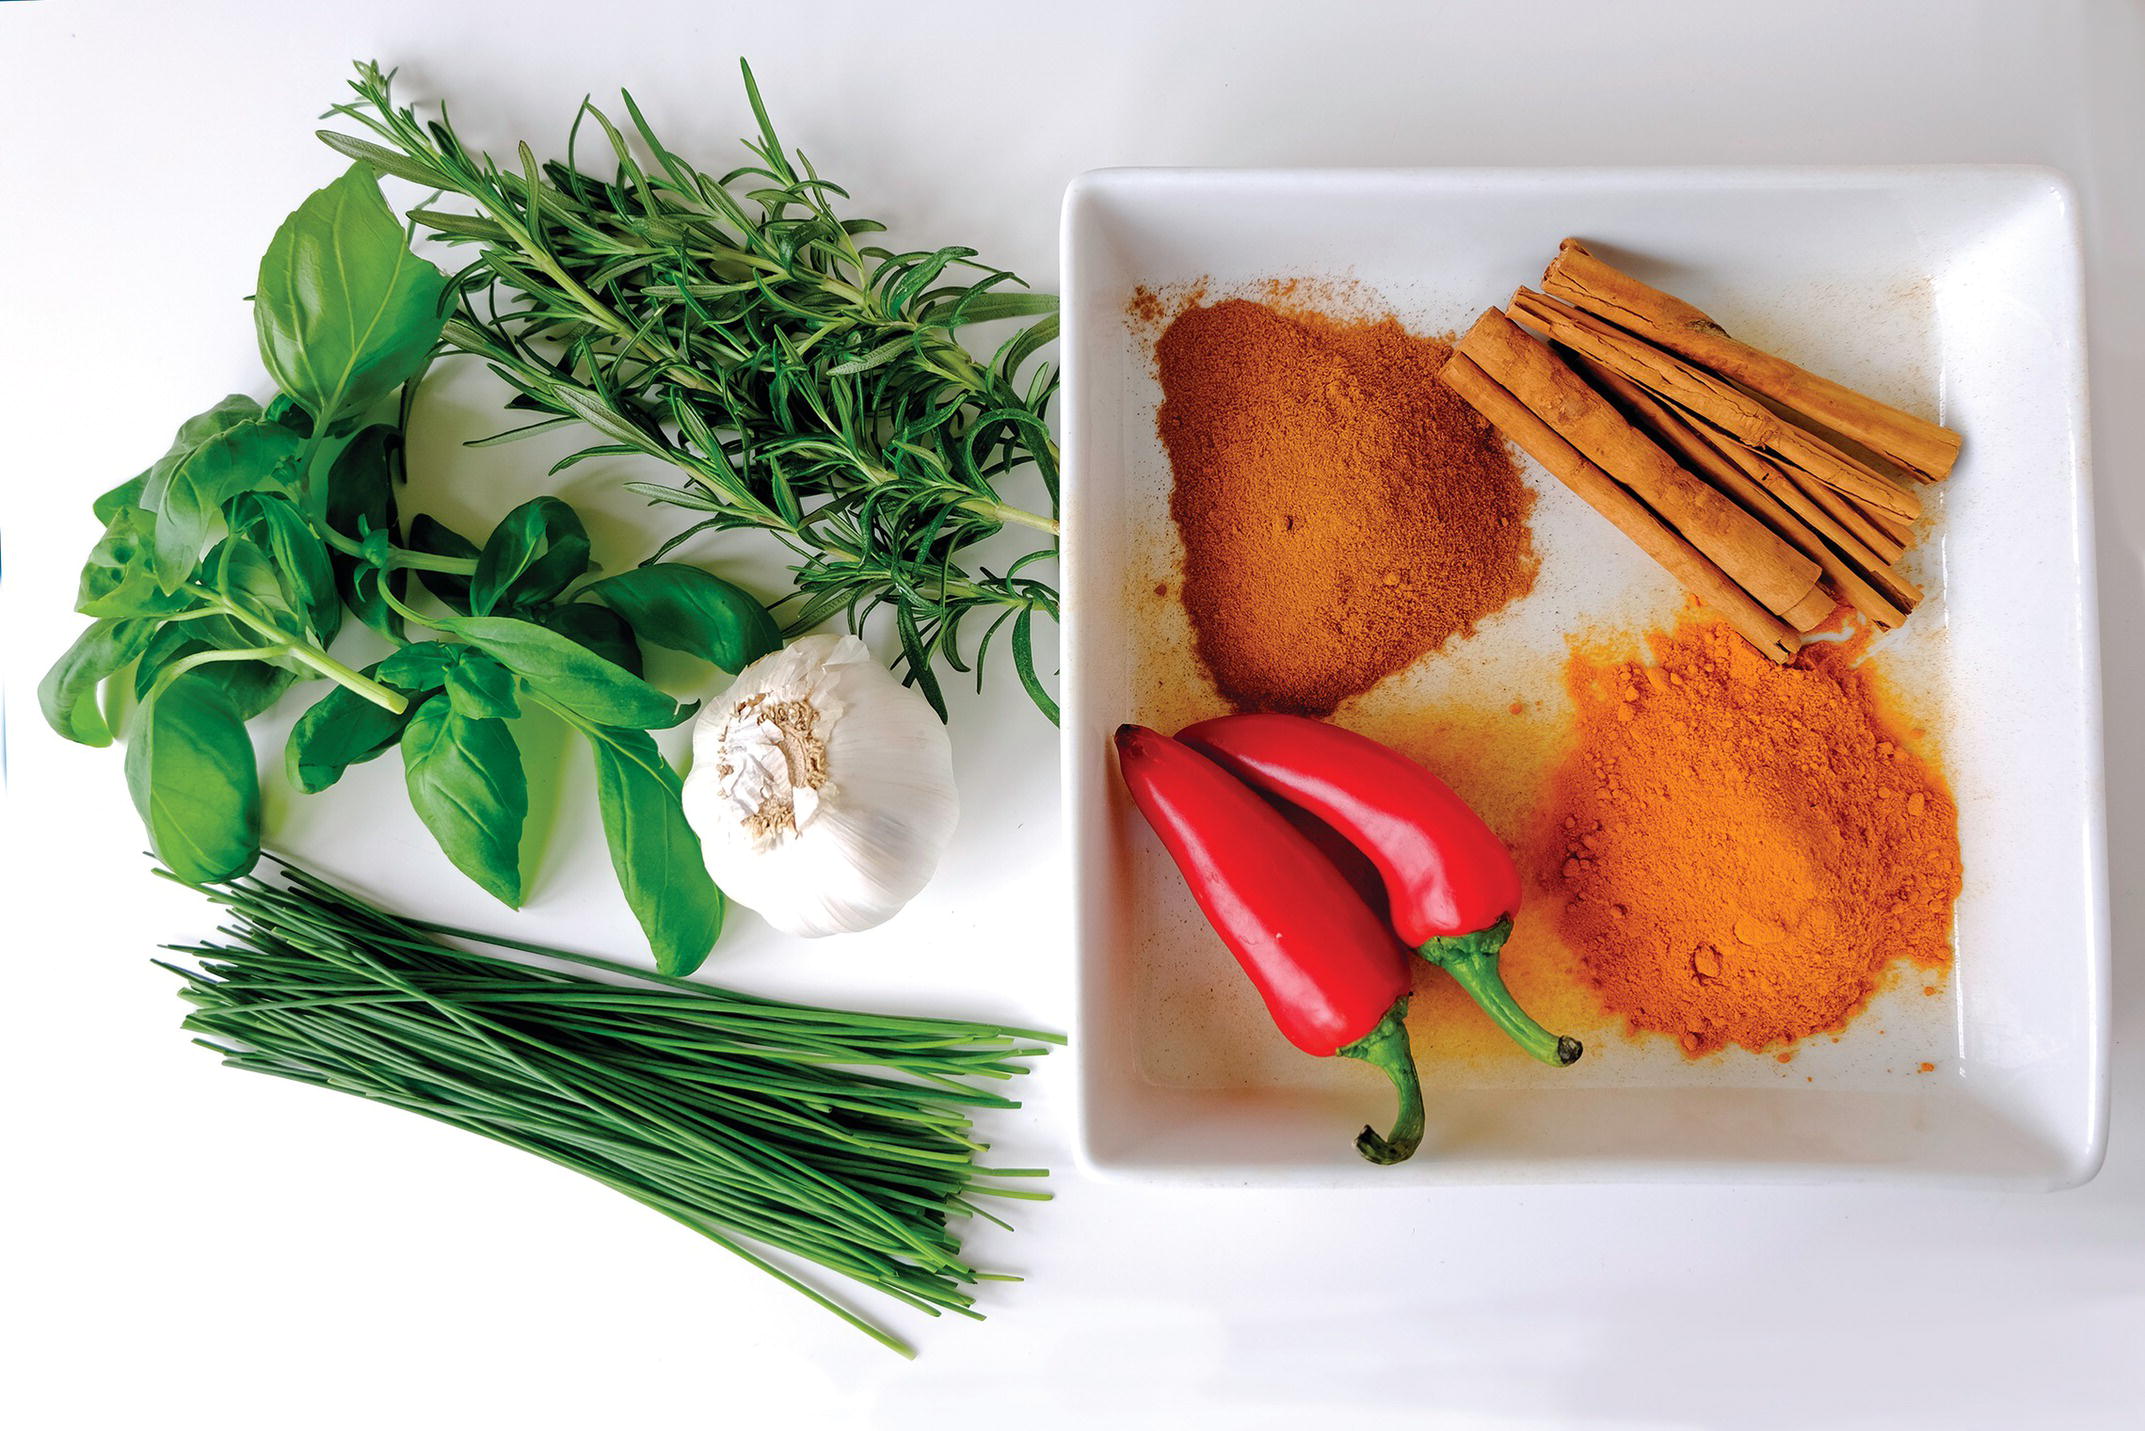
x: 1330, y: 973
x: 1452, y: 883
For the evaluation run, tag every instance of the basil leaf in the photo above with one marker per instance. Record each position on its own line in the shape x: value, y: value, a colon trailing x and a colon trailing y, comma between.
x: 284, y: 409
x: 361, y: 484
x: 653, y: 849
x: 120, y: 577
x: 532, y: 555
x: 435, y: 538
x: 360, y: 502
x: 202, y: 426
x: 419, y: 666
x: 68, y: 694
x: 188, y: 495
x: 479, y: 687
x: 126, y: 494
x: 298, y: 557
x: 253, y: 686
x: 183, y: 638
x: 365, y: 596
x: 344, y: 311
x: 569, y: 673
x: 245, y: 576
x: 133, y: 493
x: 166, y: 646
x: 190, y: 768
x: 466, y: 783
x: 340, y: 730
x: 599, y: 628
x: 694, y: 611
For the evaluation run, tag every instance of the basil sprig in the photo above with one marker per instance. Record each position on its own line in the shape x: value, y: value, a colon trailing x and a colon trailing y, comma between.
x: 227, y: 569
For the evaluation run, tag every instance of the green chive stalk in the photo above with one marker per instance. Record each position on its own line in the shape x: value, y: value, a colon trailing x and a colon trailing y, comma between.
x: 838, y: 1138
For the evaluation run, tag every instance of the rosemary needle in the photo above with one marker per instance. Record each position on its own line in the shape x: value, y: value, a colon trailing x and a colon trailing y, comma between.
x: 838, y: 1138
x: 807, y: 384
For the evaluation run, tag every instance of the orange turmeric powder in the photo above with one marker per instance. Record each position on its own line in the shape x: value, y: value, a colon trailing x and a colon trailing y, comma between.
x: 1740, y: 848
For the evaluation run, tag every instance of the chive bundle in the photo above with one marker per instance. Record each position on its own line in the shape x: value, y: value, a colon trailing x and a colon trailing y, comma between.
x: 837, y: 1137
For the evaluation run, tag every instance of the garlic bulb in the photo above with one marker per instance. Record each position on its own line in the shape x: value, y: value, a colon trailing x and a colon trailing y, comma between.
x: 822, y: 788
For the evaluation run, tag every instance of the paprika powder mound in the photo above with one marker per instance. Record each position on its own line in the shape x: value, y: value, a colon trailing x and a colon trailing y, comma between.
x: 1742, y: 848
x: 1342, y: 512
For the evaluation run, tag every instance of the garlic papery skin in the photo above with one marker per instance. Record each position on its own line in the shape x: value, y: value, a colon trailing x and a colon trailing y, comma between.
x: 822, y: 788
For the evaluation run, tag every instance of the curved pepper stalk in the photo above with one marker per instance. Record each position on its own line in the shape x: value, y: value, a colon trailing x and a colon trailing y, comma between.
x: 1449, y: 880
x: 1386, y: 1049
x: 1327, y: 966
x: 1471, y: 959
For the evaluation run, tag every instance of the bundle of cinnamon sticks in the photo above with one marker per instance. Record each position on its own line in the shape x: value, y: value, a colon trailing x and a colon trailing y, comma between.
x: 1770, y: 493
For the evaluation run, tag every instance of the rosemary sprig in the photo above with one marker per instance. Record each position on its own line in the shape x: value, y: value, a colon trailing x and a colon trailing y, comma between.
x: 806, y: 384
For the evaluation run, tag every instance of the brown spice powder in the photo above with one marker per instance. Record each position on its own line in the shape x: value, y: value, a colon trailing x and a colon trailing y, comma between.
x: 1741, y: 849
x: 1342, y: 512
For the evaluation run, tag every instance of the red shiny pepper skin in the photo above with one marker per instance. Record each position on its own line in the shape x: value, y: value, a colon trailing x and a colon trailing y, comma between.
x: 1331, y: 975
x: 1445, y: 871
x: 1452, y: 884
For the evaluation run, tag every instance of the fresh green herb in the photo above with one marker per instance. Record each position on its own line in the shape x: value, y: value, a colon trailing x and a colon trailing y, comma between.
x: 567, y: 672
x: 340, y: 730
x: 225, y: 571
x: 686, y: 609
x: 842, y: 1139
x: 360, y: 507
x: 187, y: 496
x: 252, y: 685
x: 447, y: 577
x: 346, y: 313
x: 190, y: 768
x: 478, y: 689
x: 806, y: 384
x: 654, y: 850
x: 536, y: 553
x: 68, y: 694
x: 466, y: 783
x: 120, y: 578
x: 609, y: 635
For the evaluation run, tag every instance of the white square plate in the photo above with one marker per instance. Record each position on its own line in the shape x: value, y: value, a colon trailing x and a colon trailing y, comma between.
x: 1963, y: 282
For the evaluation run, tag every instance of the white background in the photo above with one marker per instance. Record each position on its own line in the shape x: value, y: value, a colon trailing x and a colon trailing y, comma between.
x: 190, y: 1247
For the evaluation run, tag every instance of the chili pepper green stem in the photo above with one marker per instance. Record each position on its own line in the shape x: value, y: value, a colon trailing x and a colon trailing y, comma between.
x: 1386, y: 1049
x: 1472, y: 960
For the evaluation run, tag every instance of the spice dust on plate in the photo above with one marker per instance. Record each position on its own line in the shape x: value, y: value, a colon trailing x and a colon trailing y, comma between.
x: 1342, y: 513
x: 1741, y: 852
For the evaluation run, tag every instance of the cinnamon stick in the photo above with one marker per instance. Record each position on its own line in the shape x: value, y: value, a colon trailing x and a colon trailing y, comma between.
x: 1581, y: 279
x: 1798, y: 487
x: 1677, y: 436
x: 1749, y: 421
x: 1795, y: 496
x: 1900, y: 477
x: 1782, y: 579
x: 1886, y: 523
x: 1848, y: 514
x: 1658, y: 421
x: 1689, y: 566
